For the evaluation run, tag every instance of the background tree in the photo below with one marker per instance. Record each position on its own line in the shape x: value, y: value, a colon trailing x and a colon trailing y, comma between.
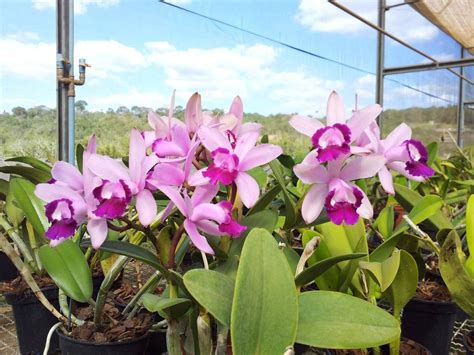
x: 122, y: 110
x: 80, y: 106
x: 19, y: 111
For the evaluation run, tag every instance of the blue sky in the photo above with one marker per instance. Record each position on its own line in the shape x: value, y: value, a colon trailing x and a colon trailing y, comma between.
x: 141, y: 50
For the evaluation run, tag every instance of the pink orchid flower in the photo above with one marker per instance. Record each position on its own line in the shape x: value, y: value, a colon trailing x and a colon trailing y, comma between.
x: 332, y: 187
x: 161, y: 125
x: 65, y: 207
x: 202, y: 215
x: 402, y: 154
x: 113, y: 186
x: 231, y: 160
x: 334, y: 139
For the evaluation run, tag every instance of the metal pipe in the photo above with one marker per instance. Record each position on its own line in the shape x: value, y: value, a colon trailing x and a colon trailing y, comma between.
x: 62, y: 48
x: 395, y: 38
x: 463, y: 62
x: 461, y: 106
x: 71, y: 104
x: 388, y: 7
x: 380, y: 55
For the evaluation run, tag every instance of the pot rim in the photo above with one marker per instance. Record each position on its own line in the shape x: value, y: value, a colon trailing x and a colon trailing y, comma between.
x: 117, y: 343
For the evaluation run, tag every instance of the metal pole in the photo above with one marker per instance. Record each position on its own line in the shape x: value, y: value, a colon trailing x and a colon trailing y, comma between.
x: 71, y: 107
x: 461, y: 105
x: 463, y: 62
x: 63, y: 50
x: 380, y: 56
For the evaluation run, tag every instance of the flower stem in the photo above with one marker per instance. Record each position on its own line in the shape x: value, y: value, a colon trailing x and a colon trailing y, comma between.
x: 174, y: 244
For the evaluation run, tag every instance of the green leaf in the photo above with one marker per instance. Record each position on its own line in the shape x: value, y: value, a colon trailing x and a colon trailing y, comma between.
x: 259, y: 175
x: 213, y: 291
x: 68, y: 267
x: 172, y: 307
x: 290, y: 208
x: 164, y: 244
x: 470, y: 235
x: 404, y: 285
x: 455, y: 275
x: 34, y: 175
x: 15, y: 214
x: 265, y: 305
x: 409, y: 198
x: 312, y: 272
x: 79, y: 156
x: 131, y: 250
x: 265, y: 200
x: 334, y: 320
x: 4, y: 188
x: 383, y: 272
x: 35, y: 163
x: 24, y: 194
x: 465, y: 182
x: 385, y: 221
x: 423, y: 209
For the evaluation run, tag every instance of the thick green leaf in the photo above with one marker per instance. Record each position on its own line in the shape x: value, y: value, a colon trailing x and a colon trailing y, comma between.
x: 383, y: 272
x: 32, y: 206
x: 312, y: 272
x: 409, y: 198
x: 164, y: 243
x: 68, y: 267
x: 15, y: 214
x: 265, y: 305
x: 79, y: 156
x: 259, y: 175
x: 35, y: 163
x: 470, y: 235
x: 131, y: 250
x: 404, y: 285
x: 34, y: 175
x: 171, y: 307
x: 423, y: 209
x: 385, y: 221
x: 265, y: 200
x: 213, y: 290
x: 290, y: 208
x: 335, y: 320
x: 455, y: 275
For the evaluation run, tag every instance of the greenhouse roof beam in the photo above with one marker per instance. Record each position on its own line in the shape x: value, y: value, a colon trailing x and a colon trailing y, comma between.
x: 393, y: 37
x: 430, y: 66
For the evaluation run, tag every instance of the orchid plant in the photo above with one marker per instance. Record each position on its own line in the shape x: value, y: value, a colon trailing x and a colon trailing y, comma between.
x: 215, y: 186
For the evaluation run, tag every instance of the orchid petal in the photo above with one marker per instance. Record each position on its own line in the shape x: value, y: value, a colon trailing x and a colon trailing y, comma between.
x: 237, y: 108
x: 210, y: 228
x: 386, y: 179
x: 174, y: 195
x: 68, y: 174
x: 164, y: 148
x: 98, y: 230
x: 245, y: 143
x: 311, y: 173
x: 208, y: 211
x: 399, y: 135
x: 362, y: 167
x: 51, y: 192
x: 167, y: 174
x: 335, y: 109
x: 92, y: 145
x: 181, y: 137
x: 156, y: 122
x: 204, y: 194
x: 146, y: 207
x: 247, y: 188
x: 260, y: 155
x: 107, y: 168
x: 137, y: 152
x: 212, y: 139
x: 362, y: 119
x: 250, y: 127
x: 149, y: 137
x: 198, y: 240
x: 305, y: 125
x: 198, y: 179
x: 365, y: 209
x: 400, y: 167
x: 313, y: 202
x: 193, y: 113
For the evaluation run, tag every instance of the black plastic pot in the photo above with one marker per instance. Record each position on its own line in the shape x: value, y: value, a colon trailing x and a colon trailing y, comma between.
x: 8, y: 271
x: 157, y: 344
x: 70, y: 346
x: 33, y: 321
x: 469, y: 343
x: 430, y: 324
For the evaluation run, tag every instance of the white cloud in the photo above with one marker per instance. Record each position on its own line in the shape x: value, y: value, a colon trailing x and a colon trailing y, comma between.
x: 321, y: 16
x: 133, y: 97
x: 80, y: 6
x: 364, y: 87
x: 25, y: 59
